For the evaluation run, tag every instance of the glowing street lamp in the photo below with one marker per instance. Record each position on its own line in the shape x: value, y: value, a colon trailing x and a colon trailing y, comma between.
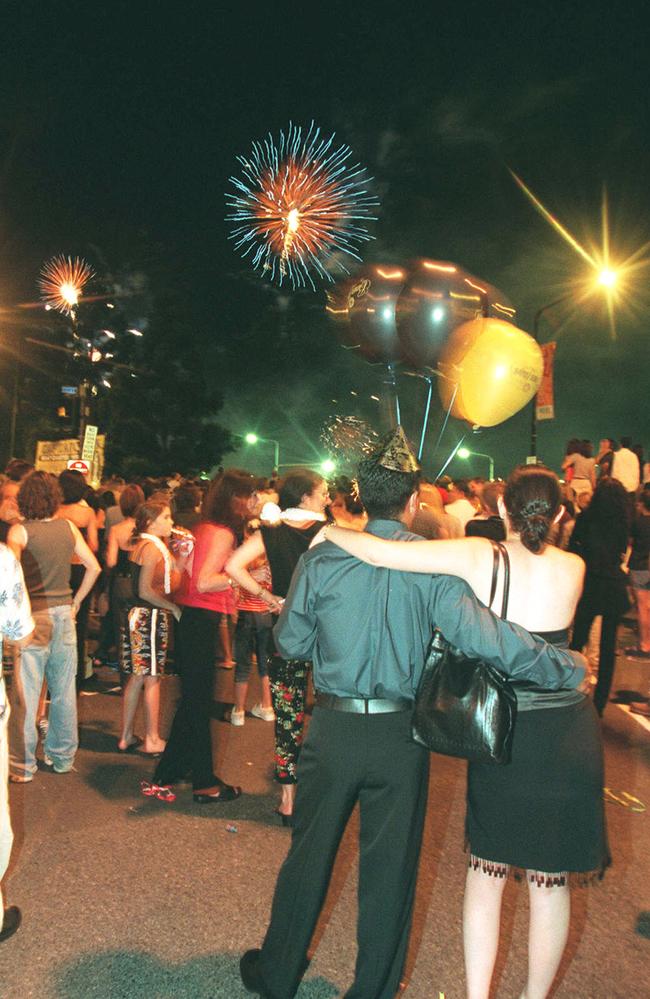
x: 252, y: 438
x: 328, y: 466
x: 606, y: 280
x: 464, y: 452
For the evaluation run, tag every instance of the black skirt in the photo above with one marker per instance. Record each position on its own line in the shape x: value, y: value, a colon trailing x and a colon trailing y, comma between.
x: 543, y: 811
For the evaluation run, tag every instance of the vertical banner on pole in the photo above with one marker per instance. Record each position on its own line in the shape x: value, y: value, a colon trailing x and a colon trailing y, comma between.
x: 544, y: 402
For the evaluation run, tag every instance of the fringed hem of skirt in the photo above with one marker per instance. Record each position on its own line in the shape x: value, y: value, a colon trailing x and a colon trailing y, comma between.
x: 542, y: 879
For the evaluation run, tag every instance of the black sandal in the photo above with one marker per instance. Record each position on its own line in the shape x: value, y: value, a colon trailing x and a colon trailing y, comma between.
x: 225, y: 792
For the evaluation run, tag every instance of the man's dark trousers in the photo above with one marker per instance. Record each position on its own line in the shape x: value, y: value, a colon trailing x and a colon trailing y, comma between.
x: 372, y: 759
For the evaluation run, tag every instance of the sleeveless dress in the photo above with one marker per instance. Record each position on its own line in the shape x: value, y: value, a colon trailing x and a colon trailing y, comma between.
x: 144, y: 632
x: 544, y: 811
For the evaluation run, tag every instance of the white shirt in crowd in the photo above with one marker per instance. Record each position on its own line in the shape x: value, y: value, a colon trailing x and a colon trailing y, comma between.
x: 625, y: 468
x: 462, y: 509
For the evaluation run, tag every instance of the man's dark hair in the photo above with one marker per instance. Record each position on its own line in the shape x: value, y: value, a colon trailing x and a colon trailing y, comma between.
x: 462, y: 485
x: 17, y: 469
x: 490, y: 497
x: 185, y: 499
x: 296, y: 484
x: 73, y: 485
x: 131, y: 497
x: 385, y: 493
x: 626, y: 442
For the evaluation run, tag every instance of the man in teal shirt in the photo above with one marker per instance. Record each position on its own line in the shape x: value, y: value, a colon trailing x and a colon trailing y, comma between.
x: 367, y: 630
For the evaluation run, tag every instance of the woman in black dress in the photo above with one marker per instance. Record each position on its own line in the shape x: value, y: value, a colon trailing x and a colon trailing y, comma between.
x: 542, y: 813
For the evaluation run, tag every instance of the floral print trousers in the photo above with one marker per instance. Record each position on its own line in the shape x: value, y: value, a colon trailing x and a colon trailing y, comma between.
x: 288, y: 690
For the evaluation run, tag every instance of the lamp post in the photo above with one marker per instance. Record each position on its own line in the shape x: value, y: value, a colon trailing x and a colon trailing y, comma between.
x: 533, y: 416
x: 464, y: 452
x: 606, y: 278
x: 252, y: 438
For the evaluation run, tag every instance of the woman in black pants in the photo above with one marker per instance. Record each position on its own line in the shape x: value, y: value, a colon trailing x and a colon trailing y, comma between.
x: 206, y: 595
x: 600, y: 538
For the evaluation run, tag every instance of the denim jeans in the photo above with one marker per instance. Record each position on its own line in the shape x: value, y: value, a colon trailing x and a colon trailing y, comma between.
x: 253, y: 633
x: 51, y: 656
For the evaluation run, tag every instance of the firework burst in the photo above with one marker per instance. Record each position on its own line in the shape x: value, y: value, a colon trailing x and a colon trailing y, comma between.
x: 62, y: 282
x: 299, y: 206
x: 348, y: 438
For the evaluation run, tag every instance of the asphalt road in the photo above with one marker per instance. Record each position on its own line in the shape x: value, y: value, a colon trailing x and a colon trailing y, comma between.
x: 126, y: 896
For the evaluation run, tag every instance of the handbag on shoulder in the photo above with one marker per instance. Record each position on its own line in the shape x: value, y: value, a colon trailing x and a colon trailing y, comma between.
x: 467, y: 707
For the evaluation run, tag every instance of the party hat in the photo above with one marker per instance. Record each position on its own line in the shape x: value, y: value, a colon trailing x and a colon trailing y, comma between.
x: 395, y: 453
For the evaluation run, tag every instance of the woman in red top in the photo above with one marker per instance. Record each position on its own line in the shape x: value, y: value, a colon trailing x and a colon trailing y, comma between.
x: 206, y: 595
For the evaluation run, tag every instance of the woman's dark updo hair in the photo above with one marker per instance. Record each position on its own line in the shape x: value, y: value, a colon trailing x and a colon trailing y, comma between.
x: 295, y: 485
x: 532, y: 499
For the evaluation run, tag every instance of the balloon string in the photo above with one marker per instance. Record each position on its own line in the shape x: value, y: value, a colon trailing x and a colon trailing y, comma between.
x: 451, y: 457
x: 446, y: 419
x: 426, y: 416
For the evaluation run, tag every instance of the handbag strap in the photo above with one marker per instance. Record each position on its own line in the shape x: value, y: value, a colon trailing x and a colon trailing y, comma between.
x: 495, y: 571
x: 500, y: 550
x: 506, y: 578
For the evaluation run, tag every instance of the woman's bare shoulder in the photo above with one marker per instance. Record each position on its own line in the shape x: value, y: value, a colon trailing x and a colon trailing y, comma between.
x: 569, y: 561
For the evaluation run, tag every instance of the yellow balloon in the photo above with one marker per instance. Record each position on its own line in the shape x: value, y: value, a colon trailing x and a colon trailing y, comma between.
x: 494, y: 369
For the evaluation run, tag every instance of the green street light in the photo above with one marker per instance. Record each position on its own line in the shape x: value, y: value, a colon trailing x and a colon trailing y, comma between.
x: 252, y: 438
x: 328, y: 466
x: 464, y: 452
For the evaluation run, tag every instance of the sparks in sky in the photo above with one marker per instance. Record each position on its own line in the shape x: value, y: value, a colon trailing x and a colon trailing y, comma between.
x: 299, y: 206
x: 612, y: 278
x: 62, y: 282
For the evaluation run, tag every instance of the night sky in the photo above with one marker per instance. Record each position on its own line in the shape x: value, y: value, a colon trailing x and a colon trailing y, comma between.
x: 121, y: 122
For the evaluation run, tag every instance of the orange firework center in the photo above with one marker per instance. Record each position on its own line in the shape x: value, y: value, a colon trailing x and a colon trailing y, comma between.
x: 287, y: 213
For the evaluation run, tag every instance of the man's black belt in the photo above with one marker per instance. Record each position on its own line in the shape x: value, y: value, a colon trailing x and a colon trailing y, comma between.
x: 363, y: 705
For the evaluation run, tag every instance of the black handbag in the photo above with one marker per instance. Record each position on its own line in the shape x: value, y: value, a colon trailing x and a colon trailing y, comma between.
x: 467, y: 707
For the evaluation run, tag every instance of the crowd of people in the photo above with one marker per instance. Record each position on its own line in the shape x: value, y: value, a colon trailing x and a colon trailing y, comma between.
x: 187, y: 576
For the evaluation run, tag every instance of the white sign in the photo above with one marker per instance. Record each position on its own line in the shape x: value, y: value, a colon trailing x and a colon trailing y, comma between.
x: 90, y: 439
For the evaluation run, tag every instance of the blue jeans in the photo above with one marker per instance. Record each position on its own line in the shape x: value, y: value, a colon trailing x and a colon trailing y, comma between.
x: 51, y: 656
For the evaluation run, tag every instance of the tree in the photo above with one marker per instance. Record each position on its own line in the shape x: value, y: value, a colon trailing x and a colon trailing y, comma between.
x: 161, y: 415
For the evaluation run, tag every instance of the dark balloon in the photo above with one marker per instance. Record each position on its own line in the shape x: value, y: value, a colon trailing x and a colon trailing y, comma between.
x: 437, y: 297
x: 338, y: 310
x: 368, y: 300
x: 495, y: 305
x: 391, y: 313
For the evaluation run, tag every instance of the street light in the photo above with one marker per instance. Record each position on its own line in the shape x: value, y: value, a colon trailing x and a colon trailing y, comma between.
x: 464, y: 452
x: 328, y: 466
x: 607, y: 278
x: 252, y: 438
